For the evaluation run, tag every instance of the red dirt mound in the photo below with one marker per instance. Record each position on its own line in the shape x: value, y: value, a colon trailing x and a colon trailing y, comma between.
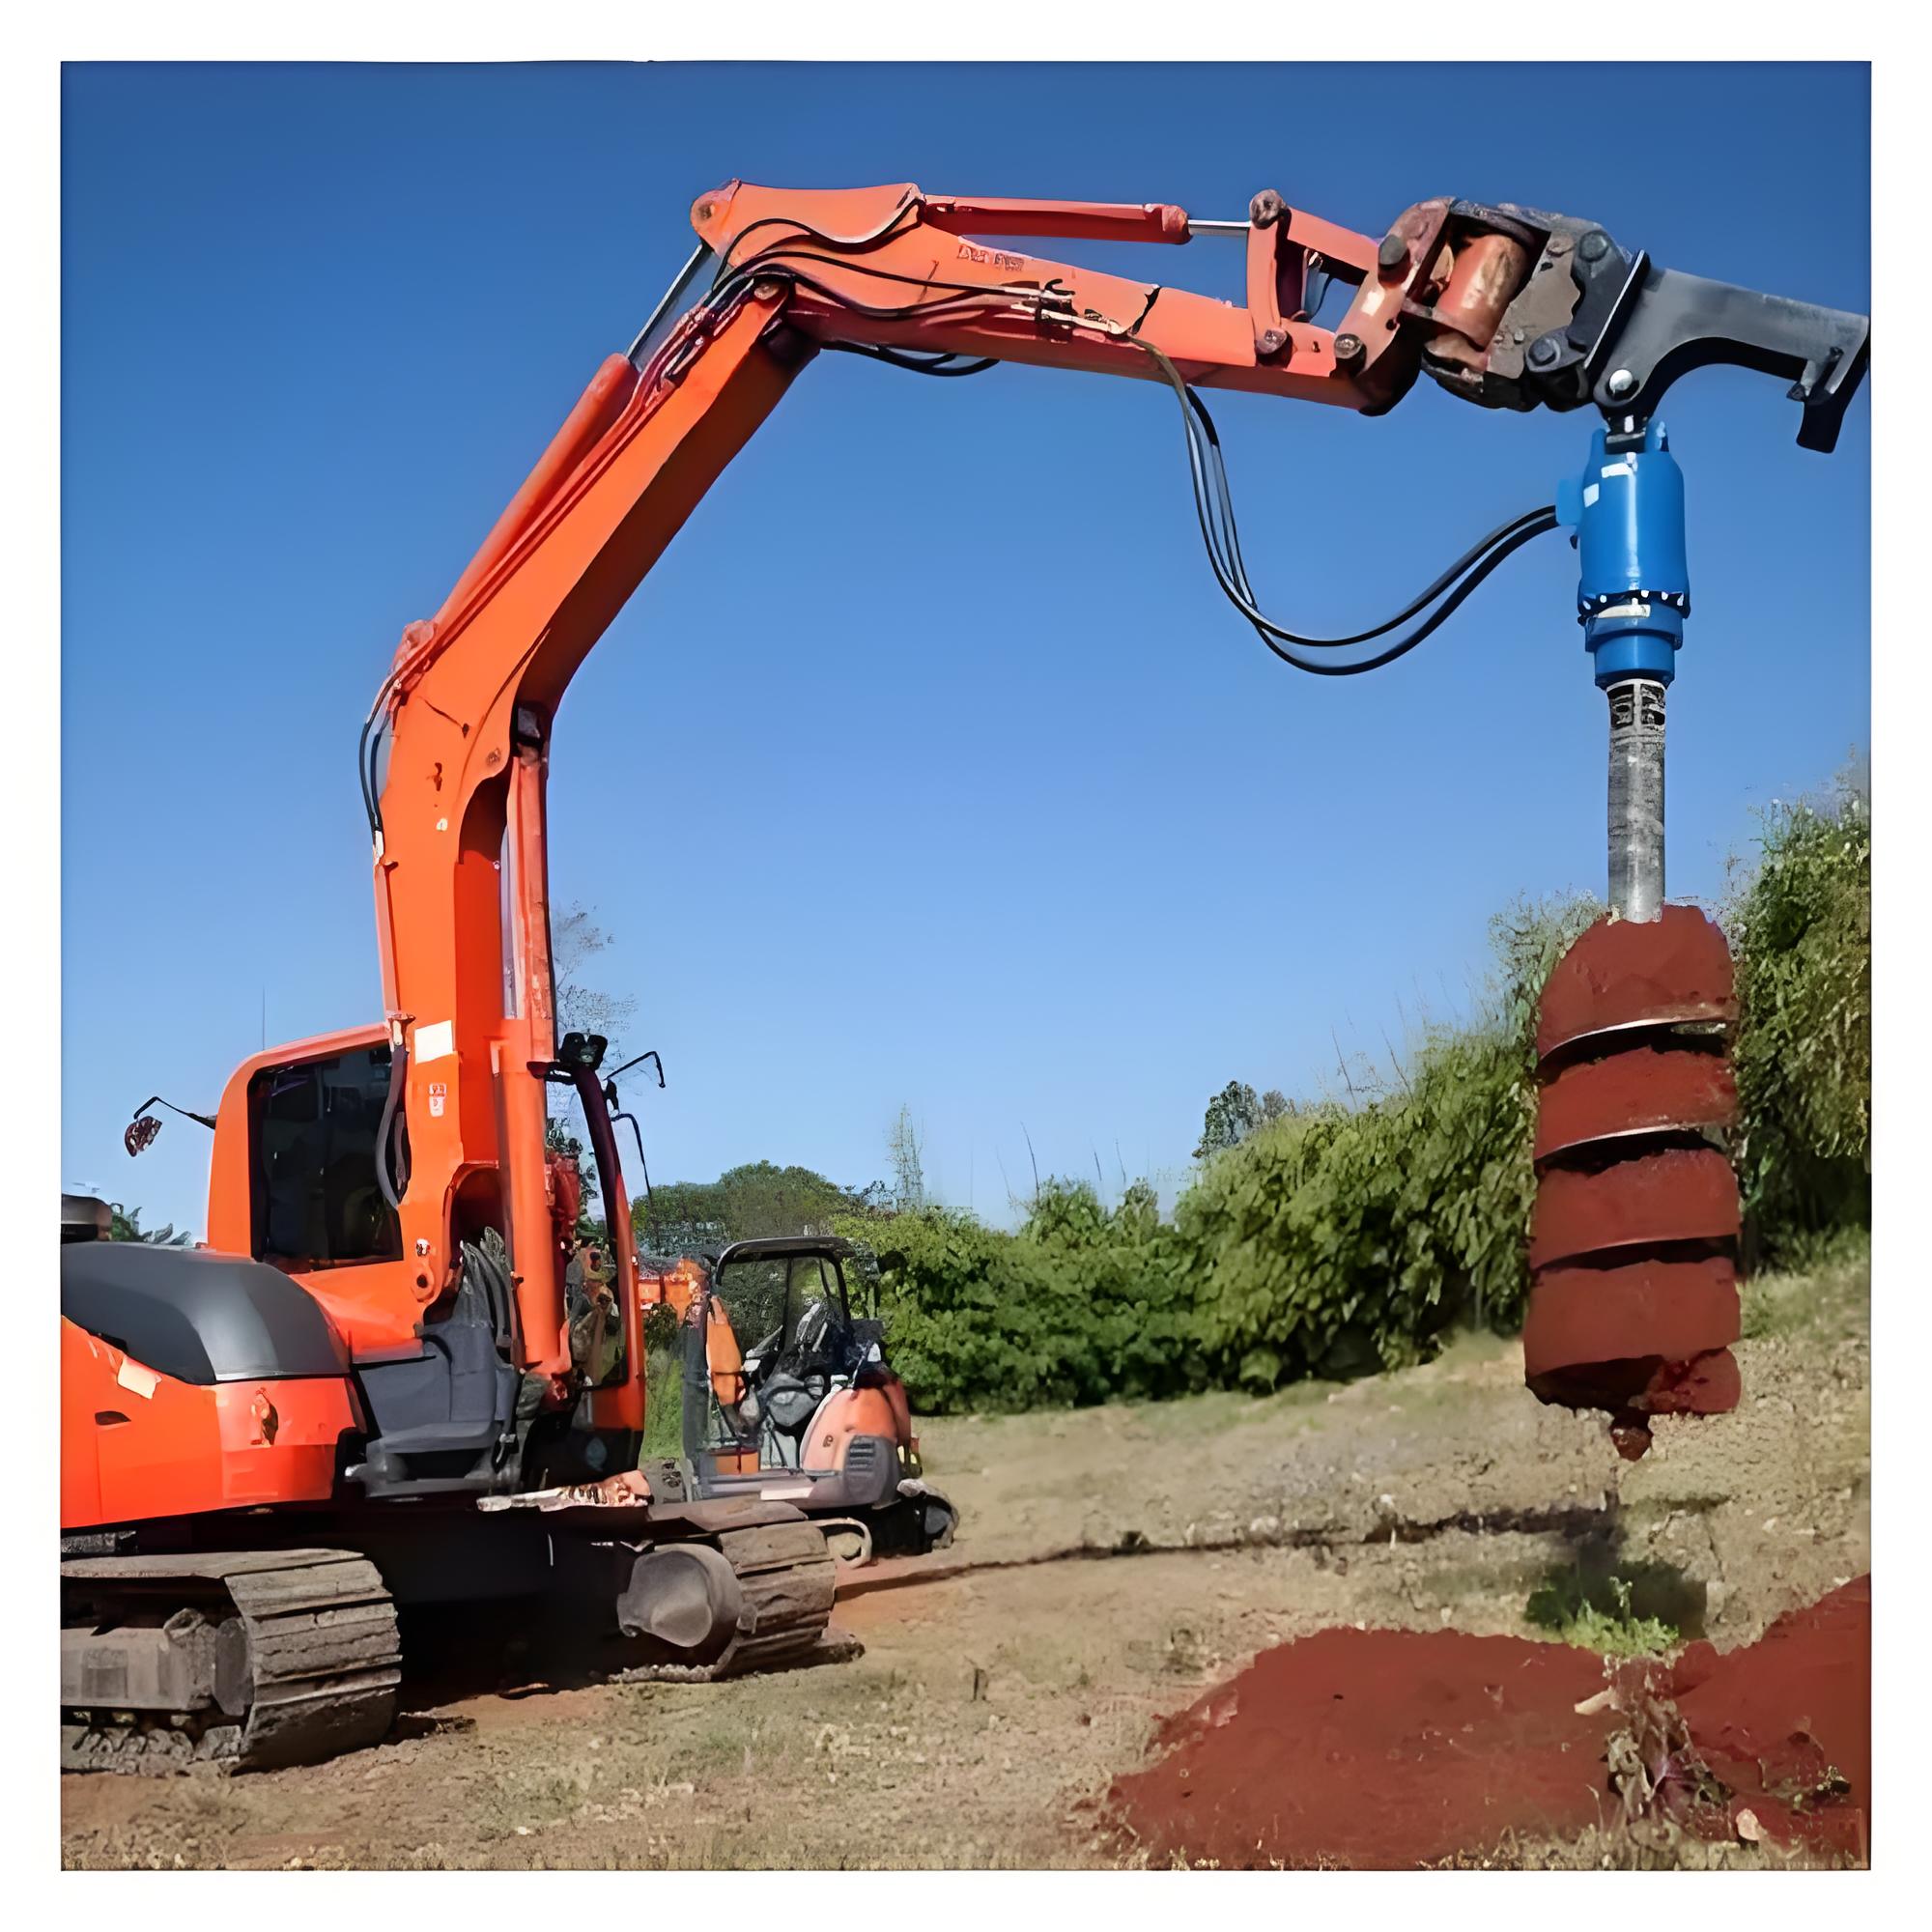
x: 1786, y: 1723
x: 1388, y: 1748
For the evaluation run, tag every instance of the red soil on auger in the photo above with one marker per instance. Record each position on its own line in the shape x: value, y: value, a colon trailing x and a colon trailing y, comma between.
x: 1391, y: 1749
x: 1633, y: 1300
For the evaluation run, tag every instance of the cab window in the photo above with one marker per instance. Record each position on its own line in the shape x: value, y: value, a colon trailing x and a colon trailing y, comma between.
x: 317, y: 1202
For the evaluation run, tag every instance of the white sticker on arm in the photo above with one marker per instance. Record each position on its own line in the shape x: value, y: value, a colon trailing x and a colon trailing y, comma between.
x: 434, y: 1042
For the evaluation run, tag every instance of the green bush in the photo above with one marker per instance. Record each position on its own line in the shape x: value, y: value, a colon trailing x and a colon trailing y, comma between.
x: 1083, y: 1304
x: 1799, y: 925
x: 1340, y: 1240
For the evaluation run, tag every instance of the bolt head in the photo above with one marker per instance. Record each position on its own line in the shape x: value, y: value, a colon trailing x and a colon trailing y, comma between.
x: 1621, y: 383
x: 1348, y: 348
x: 1393, y: 254
x: 1542, y: 352
x: 1264, y: 207
x: 1594, y: 247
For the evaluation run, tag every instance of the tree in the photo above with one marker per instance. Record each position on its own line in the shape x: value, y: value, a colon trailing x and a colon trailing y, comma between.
x: 745, y: 1203
x: 1235, y: 1113
x: 576, y: 938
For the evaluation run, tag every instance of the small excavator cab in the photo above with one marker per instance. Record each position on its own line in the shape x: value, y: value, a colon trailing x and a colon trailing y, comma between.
x: 788, y: 1394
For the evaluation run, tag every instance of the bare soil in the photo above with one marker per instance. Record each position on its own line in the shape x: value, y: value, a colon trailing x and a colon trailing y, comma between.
x: 1385, y: 1749
x: 1113, y: 1565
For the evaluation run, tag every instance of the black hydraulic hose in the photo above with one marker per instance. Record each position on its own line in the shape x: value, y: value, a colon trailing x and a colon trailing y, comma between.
x: 1208, y: 475
x: 399, y: 1067
x: 1222, y: 496
x: 644, y: 1168
x: 1213, y: 499
x: 363, y: 778
x: 1403, y: 645
x: 941, y: 365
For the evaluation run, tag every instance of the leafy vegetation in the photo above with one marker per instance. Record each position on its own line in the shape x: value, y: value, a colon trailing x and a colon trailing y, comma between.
x: 1234, y: 1113
x: 1086, y: 1303
x: 124, y: 1225
x: 1799, y: 923
x: 743, y: 1203
x: 1597, y: 1615
x: 1341, y: 1240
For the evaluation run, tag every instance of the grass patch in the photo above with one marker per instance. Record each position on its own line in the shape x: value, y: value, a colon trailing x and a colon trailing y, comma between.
x: 1595, y: 1614
x: 1829, y: 1296
x: 664, y: 1404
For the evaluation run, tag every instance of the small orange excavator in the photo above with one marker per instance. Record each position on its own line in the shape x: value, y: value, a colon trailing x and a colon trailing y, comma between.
x: 810, y: 1413
x: 367, y: 1390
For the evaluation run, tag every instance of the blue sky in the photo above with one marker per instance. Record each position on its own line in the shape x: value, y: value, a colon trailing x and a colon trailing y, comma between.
x: 928, y: 766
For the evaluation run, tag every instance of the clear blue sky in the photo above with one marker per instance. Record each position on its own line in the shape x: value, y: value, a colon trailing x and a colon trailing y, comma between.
x: 936, y: 681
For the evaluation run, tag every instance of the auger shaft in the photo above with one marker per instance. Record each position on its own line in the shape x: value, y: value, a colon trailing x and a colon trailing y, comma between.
x: 1636, y: 800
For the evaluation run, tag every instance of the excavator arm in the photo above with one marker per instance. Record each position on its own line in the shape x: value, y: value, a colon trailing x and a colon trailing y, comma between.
x: 1503, y: 306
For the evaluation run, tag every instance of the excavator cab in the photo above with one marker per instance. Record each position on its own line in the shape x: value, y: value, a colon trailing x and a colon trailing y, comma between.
x: 788, y: 1396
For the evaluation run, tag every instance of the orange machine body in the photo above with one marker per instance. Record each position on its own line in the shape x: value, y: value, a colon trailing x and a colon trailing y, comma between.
x: 849, y: 1413
x: 137, y: 1445
x: 455, y: 761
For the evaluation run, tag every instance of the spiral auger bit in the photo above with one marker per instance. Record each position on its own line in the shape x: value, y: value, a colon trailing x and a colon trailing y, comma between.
x: 1634, y: 1240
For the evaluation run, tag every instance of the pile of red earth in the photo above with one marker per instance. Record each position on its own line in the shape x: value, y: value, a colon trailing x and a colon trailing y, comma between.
x: 1391, y: 1749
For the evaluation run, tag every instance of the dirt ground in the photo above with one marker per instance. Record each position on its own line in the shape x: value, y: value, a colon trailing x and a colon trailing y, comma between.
x: 1112, y: 1565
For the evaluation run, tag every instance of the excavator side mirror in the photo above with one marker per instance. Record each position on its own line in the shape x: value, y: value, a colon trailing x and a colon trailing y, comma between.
x: 144, y: 1127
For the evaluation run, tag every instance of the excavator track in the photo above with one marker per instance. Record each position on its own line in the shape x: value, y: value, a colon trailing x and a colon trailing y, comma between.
x: 245, y: 1660
x: 789, y: 1577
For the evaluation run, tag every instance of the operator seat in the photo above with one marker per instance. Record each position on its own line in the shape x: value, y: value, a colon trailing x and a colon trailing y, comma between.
x: 799, y: 1380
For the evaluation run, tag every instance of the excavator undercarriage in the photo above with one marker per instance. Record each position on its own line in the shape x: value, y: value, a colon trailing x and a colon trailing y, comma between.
x: 253, y: 1660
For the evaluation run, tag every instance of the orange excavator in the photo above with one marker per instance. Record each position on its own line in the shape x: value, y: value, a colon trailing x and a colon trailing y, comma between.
x: 366, y: 1391
x: 810, y: 1412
